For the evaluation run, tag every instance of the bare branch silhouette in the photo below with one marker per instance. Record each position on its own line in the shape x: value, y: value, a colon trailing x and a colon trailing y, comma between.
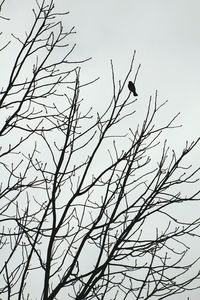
x: 89, y: 208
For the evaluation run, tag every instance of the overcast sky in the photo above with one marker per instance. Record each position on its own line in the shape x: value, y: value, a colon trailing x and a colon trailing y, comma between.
x: 165, y: 35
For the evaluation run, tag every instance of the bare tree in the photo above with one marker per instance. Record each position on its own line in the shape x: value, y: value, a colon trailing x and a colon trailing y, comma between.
x: 85, y: 212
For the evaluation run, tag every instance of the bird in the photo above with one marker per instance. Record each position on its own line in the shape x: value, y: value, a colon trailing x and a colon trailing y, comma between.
x: 131, y: 87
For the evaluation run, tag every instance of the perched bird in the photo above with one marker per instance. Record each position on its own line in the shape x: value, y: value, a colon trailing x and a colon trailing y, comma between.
x: 131, y: 87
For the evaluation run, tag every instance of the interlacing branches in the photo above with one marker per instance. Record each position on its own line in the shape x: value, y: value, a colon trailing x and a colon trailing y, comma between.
x: 89, y: 202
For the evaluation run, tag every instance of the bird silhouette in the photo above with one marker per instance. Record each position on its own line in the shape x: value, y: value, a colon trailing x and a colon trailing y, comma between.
x: 131, y: 87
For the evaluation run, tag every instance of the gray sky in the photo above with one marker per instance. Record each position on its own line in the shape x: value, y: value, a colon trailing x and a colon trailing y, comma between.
x: 166, y: 36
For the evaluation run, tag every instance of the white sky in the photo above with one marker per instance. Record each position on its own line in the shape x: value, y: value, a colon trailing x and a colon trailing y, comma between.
x: 166, y: 36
